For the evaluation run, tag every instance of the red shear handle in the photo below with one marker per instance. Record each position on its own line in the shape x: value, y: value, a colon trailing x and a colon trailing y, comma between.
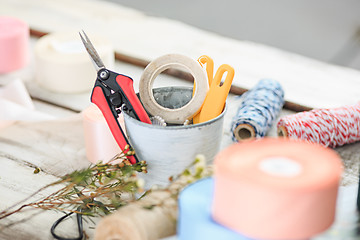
x: 126, y: 84
x: 99, y: 99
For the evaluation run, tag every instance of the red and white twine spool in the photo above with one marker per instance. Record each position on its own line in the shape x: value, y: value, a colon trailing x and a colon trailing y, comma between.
x: 328, y: 127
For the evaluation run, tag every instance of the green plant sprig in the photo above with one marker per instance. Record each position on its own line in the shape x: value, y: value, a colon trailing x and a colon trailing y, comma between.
x: 97, y: 190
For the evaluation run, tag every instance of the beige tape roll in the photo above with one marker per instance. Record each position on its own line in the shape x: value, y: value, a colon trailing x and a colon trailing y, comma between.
x: 154, y: 68
x: 64, y: 66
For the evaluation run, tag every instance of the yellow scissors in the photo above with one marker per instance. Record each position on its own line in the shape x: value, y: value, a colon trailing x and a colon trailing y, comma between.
x: 214, y: 102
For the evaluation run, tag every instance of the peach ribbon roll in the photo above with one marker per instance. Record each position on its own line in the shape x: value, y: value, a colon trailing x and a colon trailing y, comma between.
x: 276, y: 188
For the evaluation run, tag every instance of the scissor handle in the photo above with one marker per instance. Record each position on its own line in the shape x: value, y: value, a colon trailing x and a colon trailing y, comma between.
x: 126, y: 84
x: 98, y: 97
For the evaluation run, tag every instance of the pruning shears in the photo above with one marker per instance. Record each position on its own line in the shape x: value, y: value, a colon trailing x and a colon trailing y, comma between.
x: 113, y: 93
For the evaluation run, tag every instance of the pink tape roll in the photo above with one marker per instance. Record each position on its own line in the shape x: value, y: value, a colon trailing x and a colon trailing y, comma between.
x: 99, y: 142
x: 14, y: 44
x: 276, y: 188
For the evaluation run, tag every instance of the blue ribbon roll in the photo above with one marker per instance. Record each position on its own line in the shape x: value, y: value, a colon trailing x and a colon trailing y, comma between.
x: 195, y: 221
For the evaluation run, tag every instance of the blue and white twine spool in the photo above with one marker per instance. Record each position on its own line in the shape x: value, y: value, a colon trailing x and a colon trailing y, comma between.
x: 258, y: 110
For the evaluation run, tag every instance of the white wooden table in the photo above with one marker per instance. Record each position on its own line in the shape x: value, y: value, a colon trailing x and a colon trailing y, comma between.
x: 57, y: 146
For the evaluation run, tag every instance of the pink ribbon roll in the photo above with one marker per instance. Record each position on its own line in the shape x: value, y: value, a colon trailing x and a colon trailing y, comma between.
x: 14, y: 44
x: 99, y: 142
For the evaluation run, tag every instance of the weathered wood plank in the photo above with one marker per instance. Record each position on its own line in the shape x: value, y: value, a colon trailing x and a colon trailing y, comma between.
x: 306, y: 81
x: 17, y: 182
x: 57, y: 147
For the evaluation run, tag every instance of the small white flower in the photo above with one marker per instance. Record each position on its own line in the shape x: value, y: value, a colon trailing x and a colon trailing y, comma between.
x: 200, y: 161
x: 140, y: 183
x: 189, y: 178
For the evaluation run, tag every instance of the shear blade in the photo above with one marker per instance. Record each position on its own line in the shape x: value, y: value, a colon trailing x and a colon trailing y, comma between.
x: 91, y: 51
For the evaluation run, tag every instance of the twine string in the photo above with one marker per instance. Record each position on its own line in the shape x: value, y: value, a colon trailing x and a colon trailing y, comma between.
x: 328, y: 127
x: 259, y: 108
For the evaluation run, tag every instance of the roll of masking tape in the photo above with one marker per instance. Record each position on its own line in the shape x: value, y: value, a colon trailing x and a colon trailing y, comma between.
x: 154, y: 68
x: 14, y: 44
x: 64, y: 66
x: 100, y: 144
x: 276, y: 188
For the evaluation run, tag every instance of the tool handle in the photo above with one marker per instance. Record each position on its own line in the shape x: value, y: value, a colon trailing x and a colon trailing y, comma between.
x: 216, y: 97
x: 204, y: 59
x: 98, y: 97
x: 126, y: 84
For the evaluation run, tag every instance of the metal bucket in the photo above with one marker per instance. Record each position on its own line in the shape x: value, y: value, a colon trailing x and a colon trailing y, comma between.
x: 169, y: 150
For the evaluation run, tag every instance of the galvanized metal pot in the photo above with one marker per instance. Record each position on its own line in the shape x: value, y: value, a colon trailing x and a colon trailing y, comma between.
x: 169, y: 150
